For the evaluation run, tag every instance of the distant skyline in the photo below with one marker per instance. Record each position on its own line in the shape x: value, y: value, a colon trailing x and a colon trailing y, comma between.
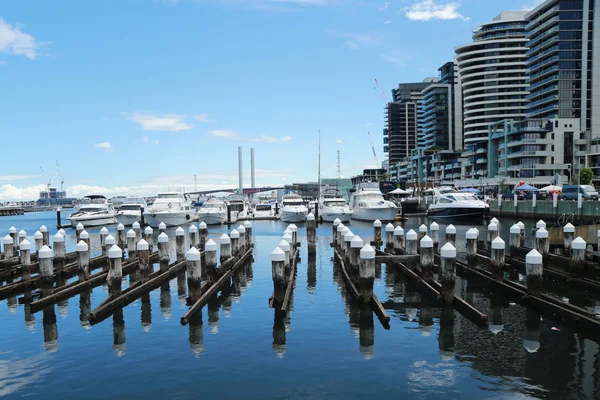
x: 136, y: 96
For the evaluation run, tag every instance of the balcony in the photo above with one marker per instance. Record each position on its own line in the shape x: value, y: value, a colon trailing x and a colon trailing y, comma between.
x: 580, y: 142
x: 481, y: 151
x: 467, y: 153
x: 481, y: 161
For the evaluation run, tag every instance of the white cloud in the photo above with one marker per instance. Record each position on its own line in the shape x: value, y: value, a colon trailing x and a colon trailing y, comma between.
x: 104, y: 146
x: 369, y: 123
x: 339, y: 141
x: 272, y: 139
x: 146, y: 139
x: 396, y: 57
x: 387, y: 22
x: 10, y: 192
x: 224, y: 133
x: 14, y: 41
x: 16, y: 177
x: 227, y: 134
x: 426, y: 10
x: 165, y: 122
x: 356, y: 40
x: 155, y: 142
x: 285, y: 139
x: 203, y: 118
x: 384, y: 7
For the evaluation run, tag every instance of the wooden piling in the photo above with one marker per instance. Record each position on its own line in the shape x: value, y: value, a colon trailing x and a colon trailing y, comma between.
x: 46, y: 266
x: 163, y: 251
x: 83, y: 260
x: 422, y: 231
x: 249, y: 240
x: 148, y: 232
x: 109, y: 242
x: 366, y: 273
x: 12, y: 232
x: 39, y: 240
x: 451, y: 235
x: 285, y: 246
x: 8, y: 243
x: 225, y: 251
x: 22, y: 235
x: 25, y: 254
x: 121, y: 237
x: 411, y: 243
x: 143, y: 254
x: 577, y: 261
x: 138, y: 231
x: 278, y: 271
x: 497, y: 258
x: 311, y: 229
x: 398, y: 241
x: 355, y: 246
x: 348, y: 236
x: 85, y: 236
x: 338, y: 236
x: 294, y: 229
x: 448, y: 272
x: 45, y: 235
x: 389, y: 238
x: 534, y: 268
x: 131, y: 245
x: 522, y: 237
x: 194, y: 273
x: 492, y: 233
x: 377, y: 233
x: 210, y: 256
x: 242, y: 240
x: 471, y: 237
x: 542, y: 243
x: 180, y: 244
x: 426, y: 260
x: 234, y: 235
x: 434, y: 229
x: 569, y: 235
x: 515, y: 238
x: 103, y: 235
x: 60, y: 252
x: 115, y: 270
x: 203, y: 235
x: 162, y: 228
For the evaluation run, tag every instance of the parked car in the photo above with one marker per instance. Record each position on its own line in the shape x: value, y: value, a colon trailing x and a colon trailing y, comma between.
x: 571, y: 192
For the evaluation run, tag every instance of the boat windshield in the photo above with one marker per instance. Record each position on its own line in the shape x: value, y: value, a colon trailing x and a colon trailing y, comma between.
x: 212, y: 205
x: 130, y: 207
x: 371, y: 197
x: 461, y: 197
x: 168, y: 196
x: 338, y: 203
x: 293, y: 202
x: 91, y: 209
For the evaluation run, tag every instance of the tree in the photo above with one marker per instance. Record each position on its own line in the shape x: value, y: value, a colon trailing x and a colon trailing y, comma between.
x: 585, y: 176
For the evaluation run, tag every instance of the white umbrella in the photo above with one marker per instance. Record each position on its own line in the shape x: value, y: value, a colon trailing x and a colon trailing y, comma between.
x: 551, y: 188
x: 399, y: 191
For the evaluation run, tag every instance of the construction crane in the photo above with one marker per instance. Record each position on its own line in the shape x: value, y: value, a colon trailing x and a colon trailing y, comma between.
x: 381, y: 92
x: 374, y: 153
x: 339, y: 168
x: 62, y: 181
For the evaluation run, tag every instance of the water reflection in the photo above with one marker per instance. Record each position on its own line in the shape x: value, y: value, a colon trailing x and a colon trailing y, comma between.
x: 119, y: 333
x: 279, y: 332
x: 165, y: 301
x: 85, y: 308
x: 446, y: 335
x: 311, y: 271
x: 196, y: 334
x: 146, y: 312
x: 50, y: 329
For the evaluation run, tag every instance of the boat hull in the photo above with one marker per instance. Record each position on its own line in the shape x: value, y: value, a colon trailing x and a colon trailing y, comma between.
x: 169, y: 218
x: 293, y: 216
x: 458, y: 213
x: 372, y: 214
x: 329, y: 215
x: 213, y: 218
x: 129, y: 219
x: 87, y: 222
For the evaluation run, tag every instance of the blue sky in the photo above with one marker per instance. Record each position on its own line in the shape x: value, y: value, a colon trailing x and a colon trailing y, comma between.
x: 134, y: 96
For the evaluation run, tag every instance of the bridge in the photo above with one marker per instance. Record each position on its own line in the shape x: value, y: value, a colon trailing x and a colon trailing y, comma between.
x: 234, y: 190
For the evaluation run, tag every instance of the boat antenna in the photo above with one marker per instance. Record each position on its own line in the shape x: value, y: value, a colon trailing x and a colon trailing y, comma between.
x: 319, y: 171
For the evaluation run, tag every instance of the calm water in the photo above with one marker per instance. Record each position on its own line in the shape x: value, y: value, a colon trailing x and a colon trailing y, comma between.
x: 331, y: 349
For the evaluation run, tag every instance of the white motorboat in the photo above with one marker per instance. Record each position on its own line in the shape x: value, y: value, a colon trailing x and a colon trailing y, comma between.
x: 94, y: 213
x: 367, y: 204
x: 262, y: 210
x: 293, y: 209
x: 452, y: 204
x: 213, y: 211
x: 90, y: 199
x: 131, y: 211
x: 332, y: 206
x: 238, y: 206
x: 172, y: 208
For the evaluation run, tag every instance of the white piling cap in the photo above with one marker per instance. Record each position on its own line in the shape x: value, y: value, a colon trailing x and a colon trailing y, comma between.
x: 515, y: 229
x: 12, y: 229
x: 411, y: 235
x: 448, y: 251
x: 495, y: 220
x: 287, y: 237
x: 130, y: 234
x: 136, y: 225
x: 115, y: 252
x: 61, y: 231
x: 434, y: 226
x: 22, y: 233
x: 541, y: 233
x: 310, y: 217
x: 498, y: 243
x: 25, y: 245
x: 241, y: 229
x: 79, y: 226
x: 84, y: 235
x: 578, y: 244
x: 43, y: 229
x: 426, y: 242
x: 109, y: 240
x: 534, y: 257
x: 142, y: 245
x: 283, y: 245
x: 104, y: 231
x: 521, y: 225
x: 234, y: 234
x: 202, y: 225
x: 389, y: 228
x: 476, y: 230
x: 45, y: 252
x: 277, y: 255
x: 193, y: 229
x: 377, y: 224
x: 540, y: 224
x: 148, y: 230
x: 451, y: 229
x: 162, y: 225
x: 179, y: 232
x: 336, y: 222
x: 348, y: 236
x: 58, y: 238
x: 82, y: 246
x: 569, y: 228
x: 471, y: 234
x: 398, y: 231
x: 210, y: 246
x: 340, y: 227
x: 293, y: 227
x: 288, y: 230
x: 248, y: 224
x: 356, y: 242
x: 38, y: 235
x: 163, y: 238
x: 120, y: 227
x: 224, y: 239
x: 367, y: 252
x: 192, y: 254
x: 345, y: 230
x: 492, y: 226
x: 423, y: 228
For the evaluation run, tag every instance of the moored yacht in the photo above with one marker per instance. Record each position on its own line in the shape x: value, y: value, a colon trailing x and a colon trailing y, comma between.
x: 213, y: 211
x: 130, y: 211
x: 172, y: 208
x: 367, y: 204
x: 93, y: 211
x: 293, y: 209
x: 238, y: 206
x: 452, y: 204
x: 332, y: 206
